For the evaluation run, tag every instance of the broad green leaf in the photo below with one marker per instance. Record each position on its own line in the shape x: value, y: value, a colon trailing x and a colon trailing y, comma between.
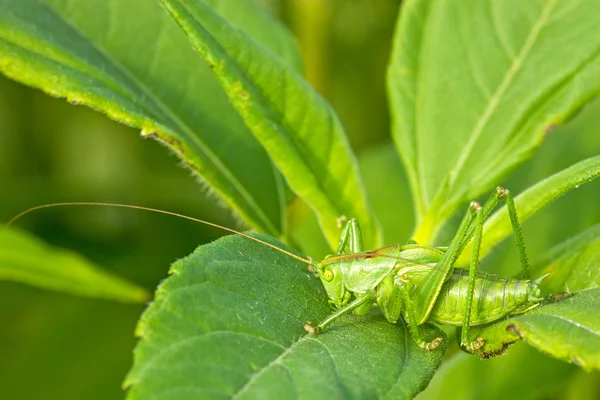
x: 568, y: 329
x: 295, y: 125
x: 474, y: 87
x: 522, y: 374
x: 25, y: 259
x: 129, y: 60
x: 229, y: 323
x: 573, y: 264
x: 498, y: 225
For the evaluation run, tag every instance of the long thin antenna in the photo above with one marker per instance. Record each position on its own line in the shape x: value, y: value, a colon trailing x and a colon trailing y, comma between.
x: 174, y: 214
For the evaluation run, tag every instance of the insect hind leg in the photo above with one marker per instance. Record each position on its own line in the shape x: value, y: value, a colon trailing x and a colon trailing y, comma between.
x: 464, y: 336
x: 411, y: 320
x: 514, y: 220
x: 475, y: 231
x: 489, y: 206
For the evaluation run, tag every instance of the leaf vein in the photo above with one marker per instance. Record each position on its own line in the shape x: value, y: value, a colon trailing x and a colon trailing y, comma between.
x: 574, y: 323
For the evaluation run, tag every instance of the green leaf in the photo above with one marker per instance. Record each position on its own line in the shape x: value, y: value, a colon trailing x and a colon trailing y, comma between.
x: 474, y: 87
x: 568, y: 330
x: 498, y: 225
x: 229, y: 322
x: 573, y: 264
x: 26, y: 259
x: 129, y: 60
x: 295, y: 125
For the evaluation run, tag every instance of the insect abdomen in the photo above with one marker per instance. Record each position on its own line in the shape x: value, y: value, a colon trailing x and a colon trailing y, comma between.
x: 493, y: 298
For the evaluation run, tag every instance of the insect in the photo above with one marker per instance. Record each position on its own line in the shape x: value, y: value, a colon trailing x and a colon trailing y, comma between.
x: 420, y: 283
x: 413, y: 281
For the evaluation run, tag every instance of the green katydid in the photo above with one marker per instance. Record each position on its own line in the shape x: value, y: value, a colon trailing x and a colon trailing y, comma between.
x: 412, y: 281
x: 420, y: 284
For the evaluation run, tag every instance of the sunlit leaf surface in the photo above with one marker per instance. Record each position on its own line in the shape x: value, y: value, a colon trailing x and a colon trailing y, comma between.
x: 474, y: 87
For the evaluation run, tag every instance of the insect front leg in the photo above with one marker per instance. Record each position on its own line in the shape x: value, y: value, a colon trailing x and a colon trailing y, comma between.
x: 351, y: 239
x: 365, y: 302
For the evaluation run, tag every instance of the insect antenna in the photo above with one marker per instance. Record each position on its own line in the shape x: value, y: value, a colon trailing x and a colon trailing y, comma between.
x: 155, y: 210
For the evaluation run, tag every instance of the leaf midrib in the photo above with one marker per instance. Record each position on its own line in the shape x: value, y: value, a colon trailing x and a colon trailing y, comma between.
x: 515, y: 140
x: 576, y: 324
x: 489, y: 110
x: 502, y: 88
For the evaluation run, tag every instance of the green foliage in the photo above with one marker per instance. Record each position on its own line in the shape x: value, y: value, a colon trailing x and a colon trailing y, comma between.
x: 474, y: 89
x: 295, y: 125
x: 151, y: 80
x: 573, y: 264
x: 475, y: 86
x: 229, y: 322
x: 25, y: 259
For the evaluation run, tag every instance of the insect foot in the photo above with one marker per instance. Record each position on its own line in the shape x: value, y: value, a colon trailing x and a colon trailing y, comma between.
x: 430, y: 345
x: 312, y: 329
x: 476, y: 345
x: 434, y: 343
x: 475, y: 206
x: 553, y: 298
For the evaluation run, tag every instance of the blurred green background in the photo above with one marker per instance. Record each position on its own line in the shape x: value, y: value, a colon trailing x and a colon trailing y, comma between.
x: 64, y: 347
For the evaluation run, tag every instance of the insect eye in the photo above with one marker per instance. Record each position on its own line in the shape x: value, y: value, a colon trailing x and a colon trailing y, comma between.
x: 328, y: 275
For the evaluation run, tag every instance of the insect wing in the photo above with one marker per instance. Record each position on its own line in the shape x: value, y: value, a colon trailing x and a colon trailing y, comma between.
x: 362, y: 275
